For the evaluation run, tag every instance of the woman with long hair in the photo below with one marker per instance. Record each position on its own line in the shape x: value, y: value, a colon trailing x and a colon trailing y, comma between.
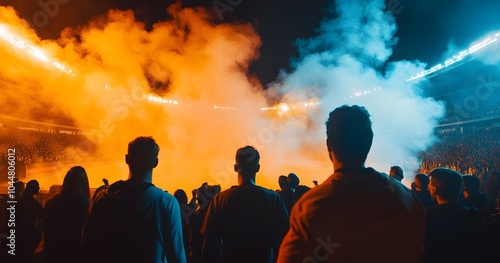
x: 64, y: 217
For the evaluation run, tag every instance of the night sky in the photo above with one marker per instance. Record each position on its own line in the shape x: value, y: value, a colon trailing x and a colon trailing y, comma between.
x: 427, y: 28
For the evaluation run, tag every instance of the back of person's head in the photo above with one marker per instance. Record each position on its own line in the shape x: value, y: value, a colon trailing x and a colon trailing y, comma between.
x: 294, y: 180
x: 181, y: 196
x: 283, y: 182
x: 214, y: 189
x: 396, y: 172
x: 32, y: 188
x: 447, y: 183
x: 421, y: 181
x: 471, y: 184
x: 349, y: 133
x: 247, y: 161
x: 142, y: 154
x: 76, y: 182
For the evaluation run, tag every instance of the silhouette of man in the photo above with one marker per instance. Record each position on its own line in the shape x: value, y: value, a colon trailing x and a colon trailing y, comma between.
x: 396, y: 172
x: 132, y: 220
x: 248, y: 221
x: 454, y: 232
x: 422, y: 190
x: 286, y: 192
x: 472, y: 196
x: 357, y: 214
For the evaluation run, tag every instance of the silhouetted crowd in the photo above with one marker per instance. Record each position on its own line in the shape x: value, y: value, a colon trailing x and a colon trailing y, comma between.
x: 358, y: 214
x: 39, y: 146
x: 473, y: 151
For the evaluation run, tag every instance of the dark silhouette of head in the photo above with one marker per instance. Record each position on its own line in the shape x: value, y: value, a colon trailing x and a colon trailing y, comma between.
x: 349, y: 134
x: 247, y: 162
x: 181, y: 196
x: 396, y: 172
x: 142, y: 156
x: 294, y: 180
x: 283, y: 182
x: 471, y: 184
x: 32, y: 188
x: 421, y: 182
x: 76, y: 182
x: 445, y: 185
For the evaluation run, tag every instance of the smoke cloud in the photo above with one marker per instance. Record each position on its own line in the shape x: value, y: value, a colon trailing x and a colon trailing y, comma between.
x: 186, y: 83
x: 346, y: 64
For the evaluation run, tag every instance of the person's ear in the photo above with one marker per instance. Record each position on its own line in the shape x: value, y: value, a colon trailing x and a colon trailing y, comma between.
x: 127, y: 160
x: 236, y: 167
x: 156, y: 163
x: 257, y: 168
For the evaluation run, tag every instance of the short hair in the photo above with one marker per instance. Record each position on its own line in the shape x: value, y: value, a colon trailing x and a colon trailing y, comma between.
x: 421, y: 181
x: 283, y: 181
x: 76, y: 182
x: 349, y: 133
x: 396, y: 172
x: 471, y: 184
x: 143, y: 153
x: 247, y: 157
x: 448, y: 183
x: 32, y: 188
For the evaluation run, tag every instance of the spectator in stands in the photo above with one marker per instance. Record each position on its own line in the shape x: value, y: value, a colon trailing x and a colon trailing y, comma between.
x: 421, y: 183
x: 472, y: 196
x: 397, y: 173
x: 249, y: 220
x: 286, y: 192
x: 28, y: 222
x: 294, y: 180
x: 19, y: 189
x: 132, y: 220
x: 64, y: 216
x: 357, y: 214
x: 454, y: 231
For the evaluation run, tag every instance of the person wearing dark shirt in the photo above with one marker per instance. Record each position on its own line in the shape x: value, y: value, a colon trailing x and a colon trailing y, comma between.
x: 454, y: 232
x: 248, y: 221
x: 29, y: 214
x: 64, y: 215
x: 421, y: 183
x: 473, y: 197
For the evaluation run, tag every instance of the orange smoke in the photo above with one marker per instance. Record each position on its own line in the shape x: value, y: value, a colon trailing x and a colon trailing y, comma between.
x: 124, y: 81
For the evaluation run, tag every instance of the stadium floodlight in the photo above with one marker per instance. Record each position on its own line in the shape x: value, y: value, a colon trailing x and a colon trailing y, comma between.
x: 488, y: 41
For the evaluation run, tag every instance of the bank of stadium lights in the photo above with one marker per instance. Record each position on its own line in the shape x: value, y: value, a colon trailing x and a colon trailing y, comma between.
x: 160, y: 100
x: 458, y: 57
x: 22, y: 44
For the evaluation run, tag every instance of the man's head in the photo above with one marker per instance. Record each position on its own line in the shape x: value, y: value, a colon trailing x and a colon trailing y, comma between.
x: 142, y: 155
x: 283, y: 182
x: 247, y: 161
x: 445, y: 185
x: 397, y: 173
x: 349, y: 134
x: 421, y: 182
x: 32, y: 188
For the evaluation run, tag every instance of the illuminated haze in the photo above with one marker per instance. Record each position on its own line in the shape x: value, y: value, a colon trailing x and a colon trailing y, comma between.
x: 117, y: 65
